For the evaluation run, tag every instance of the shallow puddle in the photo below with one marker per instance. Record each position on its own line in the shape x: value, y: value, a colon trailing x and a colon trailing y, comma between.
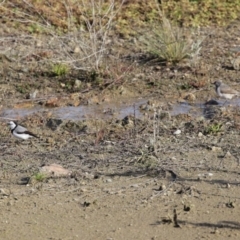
x: 206, y: 110
x: 119, y: 110
x: 103, y: 111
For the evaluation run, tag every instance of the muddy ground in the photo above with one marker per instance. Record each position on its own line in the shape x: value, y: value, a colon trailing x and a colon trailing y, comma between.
x: 127, y: 176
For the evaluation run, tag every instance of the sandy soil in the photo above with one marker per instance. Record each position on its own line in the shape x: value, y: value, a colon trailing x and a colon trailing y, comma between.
x: 127, y: 176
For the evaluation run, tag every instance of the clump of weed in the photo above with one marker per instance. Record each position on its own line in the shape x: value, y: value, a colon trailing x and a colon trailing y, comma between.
x: 23, y: 88
x: 39, y: 177
x: 171, y: 44
x: 213, y: 129
x: 35, y: 28
x: 60, y: 69
x: 185, y: 86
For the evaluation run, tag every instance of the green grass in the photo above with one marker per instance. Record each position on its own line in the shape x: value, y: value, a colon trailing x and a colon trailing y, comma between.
x: 171, y: 44
x: 134, y: 13
x: 213, y: 129
x: 39, y: 177
x: 60, y: 69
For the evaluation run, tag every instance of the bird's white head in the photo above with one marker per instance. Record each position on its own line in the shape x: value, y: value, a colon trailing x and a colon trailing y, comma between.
x: 12, y: 124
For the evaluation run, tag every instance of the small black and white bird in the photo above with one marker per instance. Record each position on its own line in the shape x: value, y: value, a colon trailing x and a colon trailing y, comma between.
x: 20, y: 131
x: 224, y: 91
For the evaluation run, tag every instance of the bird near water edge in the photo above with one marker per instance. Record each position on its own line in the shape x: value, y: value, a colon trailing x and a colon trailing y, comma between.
x: 225, y: 91
x: 20, y: 132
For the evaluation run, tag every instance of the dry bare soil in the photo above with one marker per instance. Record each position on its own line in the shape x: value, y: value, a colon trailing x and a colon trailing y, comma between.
x: 130, y: 178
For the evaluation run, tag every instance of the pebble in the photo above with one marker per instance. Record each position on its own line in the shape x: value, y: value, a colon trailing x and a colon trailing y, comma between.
x: 177, y: 132
x: 39, y: 44
x: 76, y: 49
x: 33, y: 95
x: 200, y: 134
x: 190, y: 97
x: 205, y: 175
x: 109, y: 180
x: 4, y: 192
x: 216, y: 149
x: 55, y: 170
x: 77, y: 83
x: 236, y: 63
x: 228, y: 154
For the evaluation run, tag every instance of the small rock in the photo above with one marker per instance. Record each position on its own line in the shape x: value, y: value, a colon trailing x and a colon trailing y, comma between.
x: 50, y: 140
x: 228, y: 154
x: 236, y: 63
x: 216, y: 231
x: 4, y: 192
x: 177, y: 132
x: 76, y: 49
x: 32, y: 95
x: 123, y: 91
x: 77, y: 83
x: 91, y: 176
x: 39, y: 44
x: 205, y: 175
x: 83, y: 189
x: 216, y: 149
x: 190, y: 97
x: 200, y: 134
x: 54, y: 170
x: 109, y: 180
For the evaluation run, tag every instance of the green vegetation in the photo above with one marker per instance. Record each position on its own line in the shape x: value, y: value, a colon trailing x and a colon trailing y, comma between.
x: 201, y: 12
x: 134, y: 13
x: 169, y: 43
x: 39, y: 177
x: 185, y: 86
x: 24, y: 88
x: 213, y: 129
x: 97, y: 21
x: 60, y: 69
x: 35, y: 28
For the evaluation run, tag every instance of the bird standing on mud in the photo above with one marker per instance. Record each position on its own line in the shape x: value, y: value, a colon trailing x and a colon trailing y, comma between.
x: 224, y: 91
x: 20, y: 131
